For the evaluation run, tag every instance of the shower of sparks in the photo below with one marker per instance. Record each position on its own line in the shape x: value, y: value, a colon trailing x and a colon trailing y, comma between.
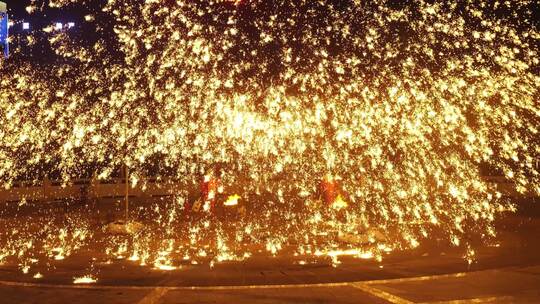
x: 403, y: 104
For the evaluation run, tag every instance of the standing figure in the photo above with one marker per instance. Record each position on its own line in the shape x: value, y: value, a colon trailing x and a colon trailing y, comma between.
x: 329, y: 189
x: 331, y: 193
x: 210, y: 187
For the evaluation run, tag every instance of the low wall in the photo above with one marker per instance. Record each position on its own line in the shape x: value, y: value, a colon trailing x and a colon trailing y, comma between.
x: 87, y: 189
x: 84, y: 189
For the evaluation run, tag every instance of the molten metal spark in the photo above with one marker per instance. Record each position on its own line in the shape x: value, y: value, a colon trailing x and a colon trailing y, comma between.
x: 407, y: 103
x: 232, y: 200
x: 84, y: 280
x: 339, y: 203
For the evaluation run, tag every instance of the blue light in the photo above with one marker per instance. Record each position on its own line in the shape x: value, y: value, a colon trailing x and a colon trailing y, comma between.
x: 4, y: 29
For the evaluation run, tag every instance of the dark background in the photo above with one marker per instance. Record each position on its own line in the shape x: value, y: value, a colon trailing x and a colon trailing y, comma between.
x: 18, y: 13
x: 84, y: 33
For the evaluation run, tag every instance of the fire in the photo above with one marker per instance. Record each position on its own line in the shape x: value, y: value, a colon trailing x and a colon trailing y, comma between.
x: 232, y: 200
x: 38, y: 276
x: 164, y: 267
x: 84, y: 280
x: 339, y: 203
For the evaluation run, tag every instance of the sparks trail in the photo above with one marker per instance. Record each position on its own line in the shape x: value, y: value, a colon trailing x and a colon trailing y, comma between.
x: 404, y: 105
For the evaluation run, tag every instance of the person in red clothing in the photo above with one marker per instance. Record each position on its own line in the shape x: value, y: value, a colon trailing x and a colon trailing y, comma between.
x: 331, y: 193
x: 210, y: 187
x: 329, y: 189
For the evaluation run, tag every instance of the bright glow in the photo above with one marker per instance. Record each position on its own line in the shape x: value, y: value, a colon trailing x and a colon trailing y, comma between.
x: 402, y: 121
x: 31, y: 9
x: 71, y: 24
x: 339, y: 203
x: 26, y: 26
x: 165, y: 267
x: 232, y: 200
x: 84, y: 280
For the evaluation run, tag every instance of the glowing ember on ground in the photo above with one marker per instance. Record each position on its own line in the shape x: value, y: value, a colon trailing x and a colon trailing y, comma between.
x: 164, y: 267
x: 84, y: 280
x: 349, y: 252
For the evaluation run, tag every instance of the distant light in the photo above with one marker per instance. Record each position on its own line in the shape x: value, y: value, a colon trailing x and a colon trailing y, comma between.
x: 71, y: 24
x: 58, y: 26
x: 26, y: 26
x: 10, y: 23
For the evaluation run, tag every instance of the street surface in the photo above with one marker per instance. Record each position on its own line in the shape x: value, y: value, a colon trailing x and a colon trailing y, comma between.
x: 505, y: 273
x: 505, y: 285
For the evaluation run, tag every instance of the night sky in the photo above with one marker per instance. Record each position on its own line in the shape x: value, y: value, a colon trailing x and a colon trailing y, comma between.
x: 85, y: 33
x: 18, y: 13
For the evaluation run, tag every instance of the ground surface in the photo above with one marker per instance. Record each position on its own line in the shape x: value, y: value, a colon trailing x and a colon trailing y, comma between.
x: 505, y: 272
x: 505, y: 285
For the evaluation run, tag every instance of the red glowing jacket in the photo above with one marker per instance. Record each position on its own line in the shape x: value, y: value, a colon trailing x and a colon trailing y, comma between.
x: 330, y: 190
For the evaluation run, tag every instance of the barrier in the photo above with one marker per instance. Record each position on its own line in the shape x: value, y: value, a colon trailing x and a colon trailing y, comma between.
x: 47, y: 190
x: 84, y: 189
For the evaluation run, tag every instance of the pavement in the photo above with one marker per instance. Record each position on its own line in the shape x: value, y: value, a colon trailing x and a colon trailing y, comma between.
x: 504, y: 272
x: 505, y: 285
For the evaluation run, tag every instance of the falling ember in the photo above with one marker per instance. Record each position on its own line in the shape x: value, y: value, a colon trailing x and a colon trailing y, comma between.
x: 232, y: 200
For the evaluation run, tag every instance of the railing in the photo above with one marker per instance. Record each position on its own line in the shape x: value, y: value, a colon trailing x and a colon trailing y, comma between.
x: 85, y: 189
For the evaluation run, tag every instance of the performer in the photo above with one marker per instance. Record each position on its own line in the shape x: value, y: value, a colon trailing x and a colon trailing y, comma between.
x: 210, y: 187
x: 331, y: 193
x: 329, y: 189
